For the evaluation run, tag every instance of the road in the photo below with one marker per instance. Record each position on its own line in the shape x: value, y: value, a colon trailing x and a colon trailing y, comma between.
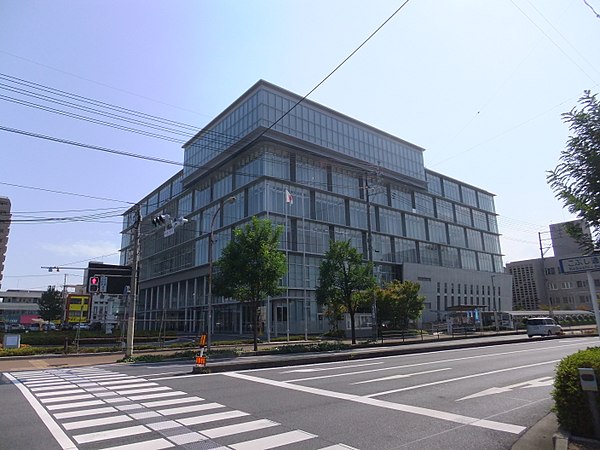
x: 475, y: 398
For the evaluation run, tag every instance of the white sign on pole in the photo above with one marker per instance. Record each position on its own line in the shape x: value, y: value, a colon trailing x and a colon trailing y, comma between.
x: 579, y: 264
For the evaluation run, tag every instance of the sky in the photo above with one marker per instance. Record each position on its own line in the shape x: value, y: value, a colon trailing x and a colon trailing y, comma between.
x: 481, y: 86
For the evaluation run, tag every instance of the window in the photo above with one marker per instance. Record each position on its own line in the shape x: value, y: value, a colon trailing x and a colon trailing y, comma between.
x: 437, y: 231
x: 415, y: 227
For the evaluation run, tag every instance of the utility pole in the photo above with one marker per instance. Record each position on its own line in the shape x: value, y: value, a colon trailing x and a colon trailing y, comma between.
x: 133, y: 292
x: 370, y: 255
x: 542, y: 253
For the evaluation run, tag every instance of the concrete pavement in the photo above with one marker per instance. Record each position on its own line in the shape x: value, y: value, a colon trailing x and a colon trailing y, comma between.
x: 544, y: 435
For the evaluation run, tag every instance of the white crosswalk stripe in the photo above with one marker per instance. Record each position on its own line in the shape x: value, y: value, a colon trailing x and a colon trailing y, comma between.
x: 121, y: 412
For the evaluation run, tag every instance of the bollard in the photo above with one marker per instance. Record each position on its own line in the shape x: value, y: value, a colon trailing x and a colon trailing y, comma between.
x: 589, y: 385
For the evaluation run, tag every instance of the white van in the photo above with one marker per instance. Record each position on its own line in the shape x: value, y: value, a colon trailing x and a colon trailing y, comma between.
x: 542, y: 326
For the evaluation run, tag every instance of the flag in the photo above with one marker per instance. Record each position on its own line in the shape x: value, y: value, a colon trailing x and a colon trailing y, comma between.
x: 289, y: 198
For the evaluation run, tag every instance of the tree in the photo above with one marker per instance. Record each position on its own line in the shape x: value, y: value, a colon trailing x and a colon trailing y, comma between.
x: 251, y: 267
x: 343, y: 279
x: 51, y: 304
x: 576, y: 179
x: 400, y: 302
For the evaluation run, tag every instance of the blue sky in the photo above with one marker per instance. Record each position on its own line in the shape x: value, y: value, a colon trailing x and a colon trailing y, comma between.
x: 480, y: 85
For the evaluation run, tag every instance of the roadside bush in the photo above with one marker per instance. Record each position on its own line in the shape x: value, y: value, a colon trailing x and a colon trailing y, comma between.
x: 571, y: 404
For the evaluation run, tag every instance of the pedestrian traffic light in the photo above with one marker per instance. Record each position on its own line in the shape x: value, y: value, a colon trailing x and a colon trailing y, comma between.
x: 94, y: 284
x: 161, y: 219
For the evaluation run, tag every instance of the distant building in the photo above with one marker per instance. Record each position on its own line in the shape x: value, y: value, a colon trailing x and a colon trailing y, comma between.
x: 540, y: 283
x: 19, y: 306
x: 4, y: 229
x: 323, y: 176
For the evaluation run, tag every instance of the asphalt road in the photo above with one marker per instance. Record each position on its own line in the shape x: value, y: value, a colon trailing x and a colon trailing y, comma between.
x: 475, y: 398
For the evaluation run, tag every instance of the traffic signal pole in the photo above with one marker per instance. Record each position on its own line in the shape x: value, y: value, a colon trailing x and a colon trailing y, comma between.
x: 133, y: 294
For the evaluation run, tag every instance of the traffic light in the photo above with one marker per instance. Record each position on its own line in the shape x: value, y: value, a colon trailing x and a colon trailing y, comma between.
x: 94, y: 284
x: 161, y: 219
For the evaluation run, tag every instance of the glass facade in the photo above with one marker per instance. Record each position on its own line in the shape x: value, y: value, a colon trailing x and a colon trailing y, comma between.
x: 446, y: 223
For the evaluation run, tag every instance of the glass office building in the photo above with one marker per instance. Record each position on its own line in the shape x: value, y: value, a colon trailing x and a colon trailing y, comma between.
x: 323, y: 176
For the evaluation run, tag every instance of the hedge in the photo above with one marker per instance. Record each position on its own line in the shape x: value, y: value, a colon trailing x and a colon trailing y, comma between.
x: 570, y: 401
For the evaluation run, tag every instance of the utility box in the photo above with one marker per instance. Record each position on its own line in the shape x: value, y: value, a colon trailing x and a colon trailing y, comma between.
x: 12, y: 341
x: 587, y: 378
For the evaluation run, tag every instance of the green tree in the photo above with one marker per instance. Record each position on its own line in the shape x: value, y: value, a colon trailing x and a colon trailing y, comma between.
x: 576, y: 179
x: 251, y: 267
x: 51, y: 304
x: 399, y: 302
x: 343, y: 279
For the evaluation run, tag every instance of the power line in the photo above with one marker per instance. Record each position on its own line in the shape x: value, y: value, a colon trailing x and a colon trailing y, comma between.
x: 65, y: 192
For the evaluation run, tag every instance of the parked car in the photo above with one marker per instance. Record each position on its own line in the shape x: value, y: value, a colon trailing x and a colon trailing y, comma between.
x: 34, y: 327
x: 81, y: 326
x: 542, y: 326
x: 13, y: 327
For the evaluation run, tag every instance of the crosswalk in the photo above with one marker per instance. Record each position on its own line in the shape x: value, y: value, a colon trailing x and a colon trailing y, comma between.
x: 94, y: 408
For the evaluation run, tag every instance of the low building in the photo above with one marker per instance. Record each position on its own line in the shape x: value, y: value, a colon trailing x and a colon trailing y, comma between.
x: 19, y: 307
x: 540, y: 283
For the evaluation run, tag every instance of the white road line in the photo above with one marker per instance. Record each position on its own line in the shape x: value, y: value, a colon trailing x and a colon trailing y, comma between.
x: 212, y: 417
x: 129, y: 386
x: 466, y: 377
x: 274, y: 441
x: 321, y: 369
x: 110, y: 434
x: 49, y: 388
x: 189, y: 409
x: 144, y: 415
x: 338, y: 447
x: 406, y: 375
x: 159, y: 395
x: 64, y: 392
x: 75, y: 405
x: 229, y: 430
x: 172, y: 401
x: 154, y: 444
x: 95, y: 422
x: 142, y: 391
x: 187, y: 438
x: 164, y: 425
x: 129, y: 407
x: 62, y: 439
x: 85, y: 412
x: 457, y: 418
x: 67, y: 398
x: 117, y: 382
x: 404, y: 366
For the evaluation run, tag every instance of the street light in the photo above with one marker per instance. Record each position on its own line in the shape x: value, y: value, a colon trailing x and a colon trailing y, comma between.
x: 210, y: 269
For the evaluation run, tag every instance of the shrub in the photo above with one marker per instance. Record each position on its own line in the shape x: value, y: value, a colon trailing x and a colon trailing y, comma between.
x: 571, y: 404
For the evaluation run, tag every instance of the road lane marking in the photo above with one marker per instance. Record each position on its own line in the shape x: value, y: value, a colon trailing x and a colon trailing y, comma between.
x: 154, y: 444
x: 212, y: 417
x: 403, y: 366
x: 85, y: 412
x: 278, y: 440
x: 539, y: 382
x: 60, y: 436
x: 175, y: 401
x: 189, y: 409
x: 450, y: 417
x: 243, y: 427
x: 406, y: 375
x: 466, y: 377
x: 321, y: 369
x: 110, y: 434
x: 77, y: 425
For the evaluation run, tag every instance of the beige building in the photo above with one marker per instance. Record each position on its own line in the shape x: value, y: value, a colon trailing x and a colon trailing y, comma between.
x: 4, y: 228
